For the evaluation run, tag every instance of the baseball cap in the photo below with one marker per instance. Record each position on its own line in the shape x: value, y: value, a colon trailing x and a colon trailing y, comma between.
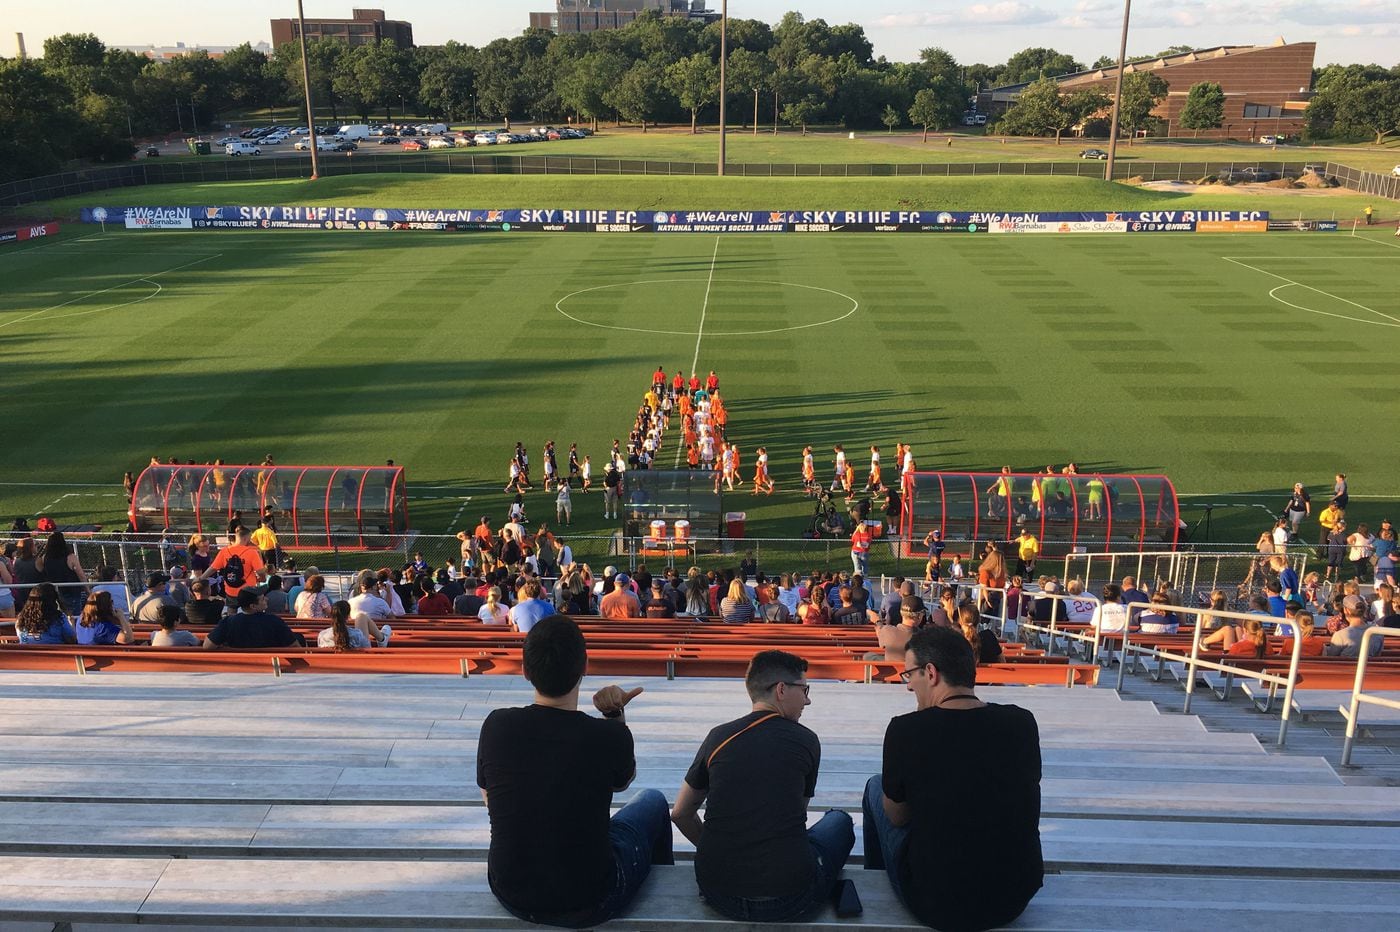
x: 622, y: 580
x: 912, y: 603
x: 1354, y: 603
x: 609, y: 571
x: 177, y: 572
x: 156, y: 579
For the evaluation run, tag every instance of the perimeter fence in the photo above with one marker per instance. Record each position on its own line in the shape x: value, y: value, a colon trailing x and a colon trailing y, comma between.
x: 213, y: 170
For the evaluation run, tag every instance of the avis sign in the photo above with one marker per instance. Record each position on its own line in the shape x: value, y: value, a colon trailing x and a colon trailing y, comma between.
x: 30, y: 232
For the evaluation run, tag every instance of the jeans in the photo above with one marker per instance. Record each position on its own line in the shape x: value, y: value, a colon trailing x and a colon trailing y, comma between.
x: 640, y: 834
x: 884, y: 841
x: 860, y: 561
x: 831, y: 839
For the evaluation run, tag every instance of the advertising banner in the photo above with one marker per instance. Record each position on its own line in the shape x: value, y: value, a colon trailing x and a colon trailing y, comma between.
x: 30, y: 232
x: 688, y: 221
x: 1232, y: 226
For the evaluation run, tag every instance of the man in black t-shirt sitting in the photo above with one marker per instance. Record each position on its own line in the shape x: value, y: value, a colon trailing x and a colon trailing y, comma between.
x: 548, y: 773
x: 252, y: 626
x: 755, y: 858
x: 954, y: 816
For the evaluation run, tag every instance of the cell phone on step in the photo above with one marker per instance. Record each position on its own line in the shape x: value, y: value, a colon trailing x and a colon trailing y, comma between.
x: 846, y: 900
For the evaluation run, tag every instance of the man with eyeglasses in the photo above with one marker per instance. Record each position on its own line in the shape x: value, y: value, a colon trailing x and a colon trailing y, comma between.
x: 954, y: 816
x: 755, y: 858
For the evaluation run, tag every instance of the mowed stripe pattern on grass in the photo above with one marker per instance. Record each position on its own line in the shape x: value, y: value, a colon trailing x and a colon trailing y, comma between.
x: 440, y: 351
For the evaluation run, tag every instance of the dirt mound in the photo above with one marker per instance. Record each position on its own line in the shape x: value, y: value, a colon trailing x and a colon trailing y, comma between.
x: 1279, y: 183
x: 1314, y: 180
x: 1135, y: 180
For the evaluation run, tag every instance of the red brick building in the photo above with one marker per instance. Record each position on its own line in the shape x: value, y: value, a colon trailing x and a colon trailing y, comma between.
x: 1267, y: 87
x: 364, y: 27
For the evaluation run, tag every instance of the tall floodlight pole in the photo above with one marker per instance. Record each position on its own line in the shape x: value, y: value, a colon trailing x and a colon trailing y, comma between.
x: 1117, y: 94
x: 306, y: 84
x: 723, y: 76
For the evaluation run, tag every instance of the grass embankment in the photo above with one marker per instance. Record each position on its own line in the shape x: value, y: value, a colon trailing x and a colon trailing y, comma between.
x: 730, y: 193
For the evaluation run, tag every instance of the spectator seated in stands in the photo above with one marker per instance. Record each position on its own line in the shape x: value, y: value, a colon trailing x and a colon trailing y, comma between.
x: 1078, y: 608
x: 492, y: 612
x: 432, y: 602
x: 371, y: 597
x: 341, y: 634
x: 276, y: 595
x: 773, y: 610
x: 169, y: 634
x: 1347, y: 641
x: 1132, y: 595
x: 755, y: 858
x: 41, y: 620
x: 942, y: 614
x: 555, y: 855
x: 938, y: 846
x: 202, y: 608
x: 146, y: 608
x: 1312, y: 646
x: 530, y: 607
x: 620, y: 603
x: 1158, y: 621
x: 252, y: 626
x: 313, y: 601
x: 1278, y: 607
x: 100, y: 624
x: 815, y: 611
x: 660, y: 604
x: 468, y: 603
x: 1226, y: 636
x: 1043, y: 609
x: 894, y: 638
x: 1111, y: 615
x: 984, y: 643
x: 851, y: 612
x: 573, y: 593
x: 1253, y: 642
x: 736, y: 608
x: 121, y: 595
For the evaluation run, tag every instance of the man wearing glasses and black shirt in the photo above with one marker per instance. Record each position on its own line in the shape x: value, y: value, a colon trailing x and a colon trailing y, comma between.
x: 755, y: 858
x: 954, y: 816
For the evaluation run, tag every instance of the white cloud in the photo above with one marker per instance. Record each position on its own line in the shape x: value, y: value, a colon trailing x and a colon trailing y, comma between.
x: 1004, y: 13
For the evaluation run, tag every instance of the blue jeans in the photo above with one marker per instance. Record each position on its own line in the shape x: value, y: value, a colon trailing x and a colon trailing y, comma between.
x: 640, y: 834
x: 831, y: 840
x: 884, y: 841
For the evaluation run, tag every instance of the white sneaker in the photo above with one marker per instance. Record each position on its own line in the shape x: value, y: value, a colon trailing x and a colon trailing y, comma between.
x: 385, y: 632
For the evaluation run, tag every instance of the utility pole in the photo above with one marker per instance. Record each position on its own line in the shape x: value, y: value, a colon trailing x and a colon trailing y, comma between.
x: 1117, y: 94
x: 306, y: 83
x: 723, y: 77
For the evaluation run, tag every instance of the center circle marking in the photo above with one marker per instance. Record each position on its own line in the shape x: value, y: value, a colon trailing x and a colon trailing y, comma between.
x: 559, y: 306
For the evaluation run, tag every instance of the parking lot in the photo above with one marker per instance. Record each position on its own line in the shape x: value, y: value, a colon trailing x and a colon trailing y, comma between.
x: 382, y: 139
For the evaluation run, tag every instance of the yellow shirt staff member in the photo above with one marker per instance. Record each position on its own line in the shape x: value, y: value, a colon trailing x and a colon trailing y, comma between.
x: 1027, y: 550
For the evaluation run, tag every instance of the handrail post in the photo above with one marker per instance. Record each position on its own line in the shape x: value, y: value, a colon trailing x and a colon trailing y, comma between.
x: 1191, y: 665
x: 1292, y: 682
x: 1354, y: 709
x: 1004, y: 600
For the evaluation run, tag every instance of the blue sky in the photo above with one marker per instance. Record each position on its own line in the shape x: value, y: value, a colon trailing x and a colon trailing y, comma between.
x: 1345, y: 30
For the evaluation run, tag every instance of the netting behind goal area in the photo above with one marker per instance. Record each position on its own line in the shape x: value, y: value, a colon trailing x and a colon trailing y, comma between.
x: 1097, y: 512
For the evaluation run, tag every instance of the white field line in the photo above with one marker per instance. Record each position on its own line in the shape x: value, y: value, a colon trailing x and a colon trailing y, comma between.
x: 458, y: 516
x: 1273, y: 293
x: 90, y: 294
x: 704, y: 307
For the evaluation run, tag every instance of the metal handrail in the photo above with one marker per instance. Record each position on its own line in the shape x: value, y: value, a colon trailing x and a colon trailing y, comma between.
x: 1357, y: 696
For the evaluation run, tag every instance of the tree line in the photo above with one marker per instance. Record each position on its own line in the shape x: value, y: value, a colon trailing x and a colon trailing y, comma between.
x: 83, y: 100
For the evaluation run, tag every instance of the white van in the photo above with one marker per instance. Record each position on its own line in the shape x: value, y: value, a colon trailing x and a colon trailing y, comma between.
x: 431, y: 129
x: 354, y: 131
x: 241, y: 147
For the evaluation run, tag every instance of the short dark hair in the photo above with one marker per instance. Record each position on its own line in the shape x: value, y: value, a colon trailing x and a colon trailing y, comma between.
x: 555, y: 655
x: 248, y: 597
x: 948, y: 651
x: 169, y: 617
x: 770, y: 667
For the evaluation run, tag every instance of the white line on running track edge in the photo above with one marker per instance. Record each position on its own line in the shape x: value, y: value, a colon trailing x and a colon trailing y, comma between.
x: 1246, y: 265
x: 30, y: 316
x: 458, y: 516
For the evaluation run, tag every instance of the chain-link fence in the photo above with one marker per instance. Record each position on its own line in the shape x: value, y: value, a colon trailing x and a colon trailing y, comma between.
x: 204, y: 171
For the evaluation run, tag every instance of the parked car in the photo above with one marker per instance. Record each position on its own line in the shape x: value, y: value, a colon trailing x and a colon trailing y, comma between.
x: 437, y: 142
x: 303, y: 145
x: 345, y: 145
x: 152, y: 152
x: 1093, y: 154
x: 413, y: 145
x: 463, y: 142
x: 1250, y: 175
x: 226, y: 140
x: 553, y: 135
x: 274, y: 139
x: 484, y: 139
x: 1396, y: 171
x: 300, y: 131
x: 389, y: 140
x: 571, y: 133
x: 1268, y: 140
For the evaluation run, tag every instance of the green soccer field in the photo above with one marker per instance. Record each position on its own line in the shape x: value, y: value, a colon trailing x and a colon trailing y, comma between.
x: 1235, y: 364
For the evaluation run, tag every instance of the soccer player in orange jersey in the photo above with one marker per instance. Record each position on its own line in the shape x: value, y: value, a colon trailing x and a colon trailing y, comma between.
x: 762, y: 482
